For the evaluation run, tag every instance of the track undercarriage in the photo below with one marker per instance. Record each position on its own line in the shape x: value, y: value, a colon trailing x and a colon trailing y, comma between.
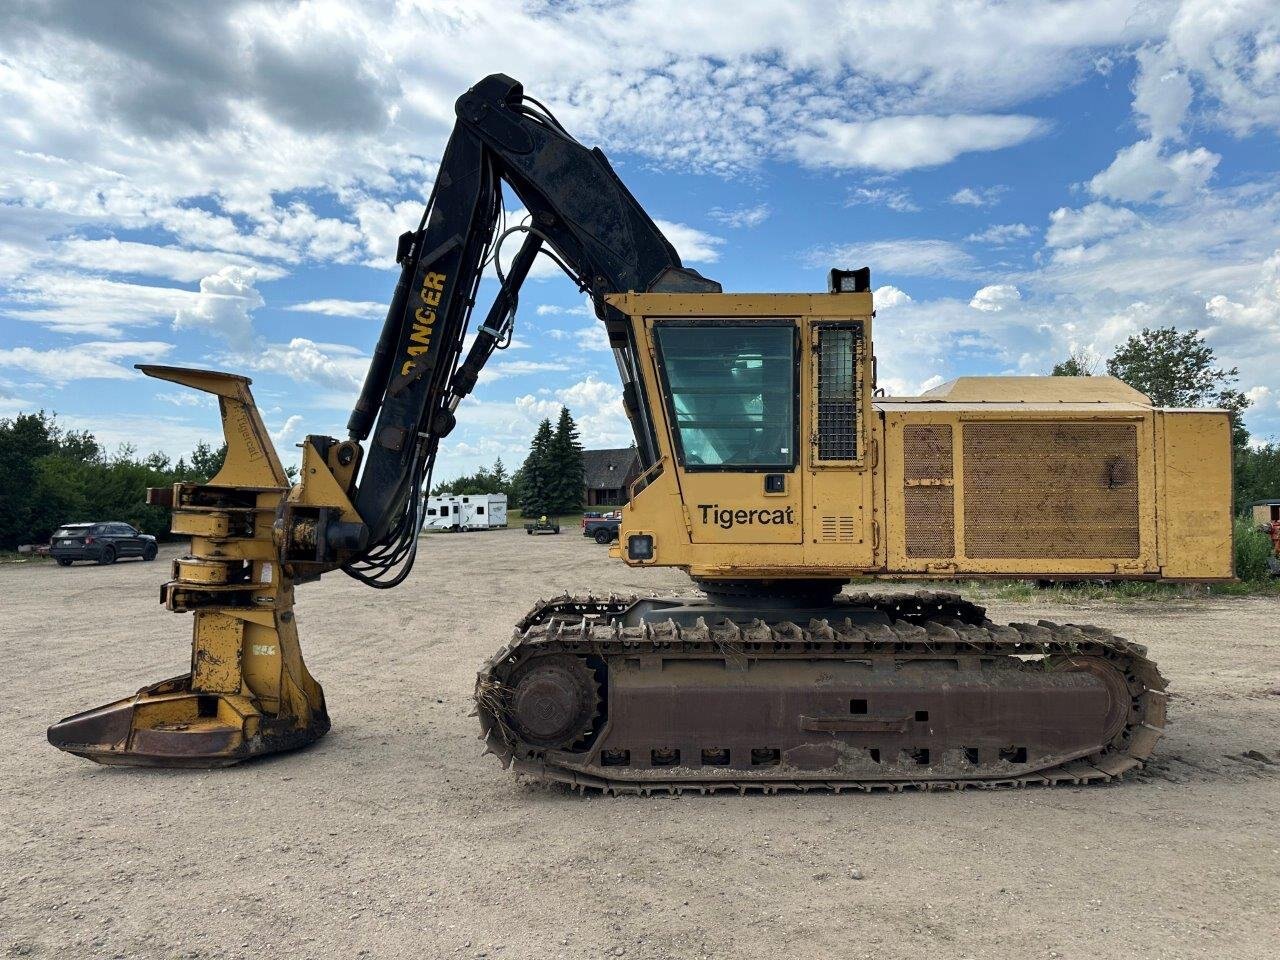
x: 867, y: 692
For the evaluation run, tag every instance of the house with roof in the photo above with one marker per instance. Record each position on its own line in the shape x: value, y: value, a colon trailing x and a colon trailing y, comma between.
x: 608, y: 475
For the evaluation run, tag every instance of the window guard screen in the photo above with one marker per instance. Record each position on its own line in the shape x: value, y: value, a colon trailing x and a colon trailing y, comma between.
x: 731, y: 393
x: 839, y: 350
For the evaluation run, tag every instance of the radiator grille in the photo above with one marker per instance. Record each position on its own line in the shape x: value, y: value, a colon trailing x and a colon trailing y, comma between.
x: 1056, y: 490
x: 838, y: 530
x: 838, y: 350
x: 926, y: 451
x: 930, y: 521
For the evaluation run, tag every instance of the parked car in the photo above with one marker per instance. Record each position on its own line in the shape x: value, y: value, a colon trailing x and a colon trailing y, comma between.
x: 100, y: 542
x: 603, y: 529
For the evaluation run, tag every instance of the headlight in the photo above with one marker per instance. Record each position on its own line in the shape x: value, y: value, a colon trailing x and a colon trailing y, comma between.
x: 640, y: 546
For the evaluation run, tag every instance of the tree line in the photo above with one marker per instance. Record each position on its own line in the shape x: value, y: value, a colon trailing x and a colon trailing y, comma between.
x: 50, y: 476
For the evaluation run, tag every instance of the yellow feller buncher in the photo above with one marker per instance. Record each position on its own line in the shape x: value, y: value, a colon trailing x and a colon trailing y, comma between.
x: 773, y: 474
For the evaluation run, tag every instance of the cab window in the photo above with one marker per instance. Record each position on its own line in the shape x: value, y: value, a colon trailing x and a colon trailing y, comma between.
x: 731, y: 391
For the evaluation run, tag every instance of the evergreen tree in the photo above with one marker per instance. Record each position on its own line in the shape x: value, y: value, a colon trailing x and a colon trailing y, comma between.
x: 536, y: 494
x: 567, y: 473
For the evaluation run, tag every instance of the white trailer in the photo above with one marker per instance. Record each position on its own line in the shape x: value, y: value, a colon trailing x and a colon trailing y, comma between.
x: 443, y: 513
x: 485, y: 511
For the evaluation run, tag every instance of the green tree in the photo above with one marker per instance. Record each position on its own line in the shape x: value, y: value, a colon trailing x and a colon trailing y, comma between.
x: 536, y: 493
x: 206, y: 461
x: 1257, y: 475
x: 1178, y: 370
x: 566, y: 479
x: 1079, y: 364
x: 492, y: 480
x: 50, y: 476
x: 24, y: 441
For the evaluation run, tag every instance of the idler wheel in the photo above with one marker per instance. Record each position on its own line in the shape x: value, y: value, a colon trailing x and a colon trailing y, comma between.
x: 1111, y: 678
x: 554, y: 701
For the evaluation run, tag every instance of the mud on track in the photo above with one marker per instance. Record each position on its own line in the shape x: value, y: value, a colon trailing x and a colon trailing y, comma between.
x: 393, y: 836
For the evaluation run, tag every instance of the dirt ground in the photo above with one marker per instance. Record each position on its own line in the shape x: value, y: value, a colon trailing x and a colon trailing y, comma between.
x: 393, y: 837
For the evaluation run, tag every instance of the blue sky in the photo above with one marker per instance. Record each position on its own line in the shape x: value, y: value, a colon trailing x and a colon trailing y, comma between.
x: 221, y: 186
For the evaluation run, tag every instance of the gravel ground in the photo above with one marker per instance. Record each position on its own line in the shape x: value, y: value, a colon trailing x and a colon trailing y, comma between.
x: 393, y: 837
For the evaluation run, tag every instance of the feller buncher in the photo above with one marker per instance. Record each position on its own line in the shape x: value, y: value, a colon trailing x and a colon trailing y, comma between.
x: 773, y: 474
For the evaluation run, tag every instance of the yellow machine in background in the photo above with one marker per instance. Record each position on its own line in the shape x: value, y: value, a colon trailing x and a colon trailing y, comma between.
x: 778, y: 460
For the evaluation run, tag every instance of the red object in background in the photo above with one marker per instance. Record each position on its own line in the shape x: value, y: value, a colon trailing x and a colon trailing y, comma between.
x: 1274, y: 530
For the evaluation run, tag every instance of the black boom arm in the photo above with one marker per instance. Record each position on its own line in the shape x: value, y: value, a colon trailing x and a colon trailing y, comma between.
x: 580, y: 213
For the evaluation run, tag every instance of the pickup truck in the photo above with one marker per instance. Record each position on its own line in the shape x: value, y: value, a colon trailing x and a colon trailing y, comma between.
x: 602, y: 529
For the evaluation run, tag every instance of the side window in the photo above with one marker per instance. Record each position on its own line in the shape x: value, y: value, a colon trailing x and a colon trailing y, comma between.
x: 479, y: 510
x: 730, y: 393
x: 431, y: 511
x: 838, y: 351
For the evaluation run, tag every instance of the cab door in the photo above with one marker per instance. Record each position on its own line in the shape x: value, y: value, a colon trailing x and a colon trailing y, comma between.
x: 731, y: 391
x: 839, y: 449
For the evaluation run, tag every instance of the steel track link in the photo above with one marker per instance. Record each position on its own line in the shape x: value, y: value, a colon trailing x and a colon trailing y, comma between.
x: 924, y: 625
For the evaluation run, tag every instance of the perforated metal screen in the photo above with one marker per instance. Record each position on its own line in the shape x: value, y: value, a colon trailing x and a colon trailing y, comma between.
x: 930, y: 509
x: 839, y: 348
x: 1059, y: 490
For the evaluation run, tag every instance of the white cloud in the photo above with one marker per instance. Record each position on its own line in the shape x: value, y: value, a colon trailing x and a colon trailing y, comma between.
x: 996, y: 297
x: 84, y: 361
x: 360, y: 309
x: 55, y: 301
x: 223, y: 307
x: 740, y: 217
x: 520, y: 368
x: 261, y: 138
x: 555, y: 310
x: 913, y: 258
x: 888, y: 297
x: 1261, y: 398
x: 977, y: 196
x: 693, y: 245
x: 592, y: 337
x: 908, y: 142
x: 1257, y: 310
x: 381, y: 222
x: 1001, y: 234
x: 1068, y: 228
x: 1144, y: 171
x: 1232, y: 49
x: 1161, y: 95
x: 287, y: 430
x: 896, y: 199
x: 188, y: 398
x: 330, y: 365
x: 152, y: 260
x: 596, y: 405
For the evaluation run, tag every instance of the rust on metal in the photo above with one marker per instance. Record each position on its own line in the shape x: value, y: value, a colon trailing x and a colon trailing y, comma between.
x: 909, y: 691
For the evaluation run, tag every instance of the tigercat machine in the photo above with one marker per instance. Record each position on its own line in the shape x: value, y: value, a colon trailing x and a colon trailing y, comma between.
x: 772, y: 474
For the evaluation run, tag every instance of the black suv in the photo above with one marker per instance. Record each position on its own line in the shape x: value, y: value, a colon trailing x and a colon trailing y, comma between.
x: 103, y: 542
